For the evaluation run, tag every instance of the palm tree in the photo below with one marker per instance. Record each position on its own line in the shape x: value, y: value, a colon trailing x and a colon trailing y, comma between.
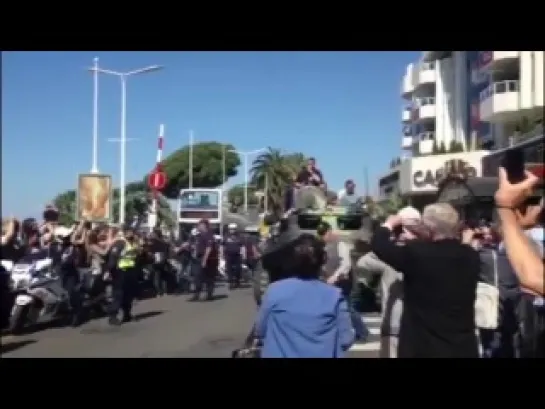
x: 278, y: 169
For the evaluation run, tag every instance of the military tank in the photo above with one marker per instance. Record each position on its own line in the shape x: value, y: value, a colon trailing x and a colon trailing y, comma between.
x: 352, y: 224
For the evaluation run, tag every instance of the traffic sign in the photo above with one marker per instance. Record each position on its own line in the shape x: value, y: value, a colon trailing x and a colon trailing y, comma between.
x: 157, y: 180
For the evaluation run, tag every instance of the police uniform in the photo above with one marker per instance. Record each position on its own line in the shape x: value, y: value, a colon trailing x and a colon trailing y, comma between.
x: 250, y: 244
x: 232, y: 246
x: 122, y: 267
x: 204, y: 276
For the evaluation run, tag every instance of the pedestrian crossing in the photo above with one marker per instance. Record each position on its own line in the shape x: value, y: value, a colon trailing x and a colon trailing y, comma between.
x: 370, y: 348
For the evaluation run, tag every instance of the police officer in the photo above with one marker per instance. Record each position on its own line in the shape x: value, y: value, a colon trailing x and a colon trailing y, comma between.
x: 205, y: 264
x: 70, y: 257
x: 184, y: 250
x: 159, y: 249
x: 122, y: 268
x: 251, y: 252
x: 232, y: 253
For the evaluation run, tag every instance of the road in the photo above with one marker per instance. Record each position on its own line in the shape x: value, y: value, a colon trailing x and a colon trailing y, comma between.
x: 167, y: 327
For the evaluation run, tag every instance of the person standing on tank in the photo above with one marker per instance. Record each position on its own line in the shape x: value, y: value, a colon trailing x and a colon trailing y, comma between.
x: 206, y: 261
x: 310, y: 175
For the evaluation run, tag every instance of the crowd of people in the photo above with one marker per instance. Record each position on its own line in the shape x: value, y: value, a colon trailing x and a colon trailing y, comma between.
x: 449, y: 288
x: 119, y: 257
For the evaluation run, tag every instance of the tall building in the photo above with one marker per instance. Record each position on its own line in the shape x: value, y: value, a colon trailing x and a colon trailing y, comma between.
x: 480, y: 100
x: 436, y: 103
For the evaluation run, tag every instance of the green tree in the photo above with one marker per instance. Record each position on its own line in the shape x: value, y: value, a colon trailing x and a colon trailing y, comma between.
x: 276, y: 170
x: 235, y: 195
x: 66, y: 204
x: 138, y: 203
x: 435, y: 149
x: 207, y: 167
x: 456, y: 147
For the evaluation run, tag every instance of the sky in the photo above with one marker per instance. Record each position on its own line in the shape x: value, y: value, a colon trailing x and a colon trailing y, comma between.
x: 344, y: 108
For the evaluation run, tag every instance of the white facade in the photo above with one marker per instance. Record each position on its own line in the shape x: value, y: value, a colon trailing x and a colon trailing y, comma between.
x: 515, y: 92
x: 436, y: 107
x: 509, y: 87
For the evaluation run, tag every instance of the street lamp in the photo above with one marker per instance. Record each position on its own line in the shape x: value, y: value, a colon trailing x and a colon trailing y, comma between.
x: 123, y: 139
x: 245, y: 154
x: 94, y: 70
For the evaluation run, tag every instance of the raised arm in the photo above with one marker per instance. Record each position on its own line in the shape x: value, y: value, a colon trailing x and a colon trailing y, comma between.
x: 526, y: 261
x: 385, y: 249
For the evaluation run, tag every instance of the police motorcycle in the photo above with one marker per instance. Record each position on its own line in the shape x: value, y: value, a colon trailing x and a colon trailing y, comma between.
x: 39, y: 295
x: 6, y: 298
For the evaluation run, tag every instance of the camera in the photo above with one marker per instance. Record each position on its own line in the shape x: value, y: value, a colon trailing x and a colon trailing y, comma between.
x: 50, y: 215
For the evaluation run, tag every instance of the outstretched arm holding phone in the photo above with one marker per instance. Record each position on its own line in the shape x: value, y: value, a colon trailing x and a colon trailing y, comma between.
x: 524, y: 258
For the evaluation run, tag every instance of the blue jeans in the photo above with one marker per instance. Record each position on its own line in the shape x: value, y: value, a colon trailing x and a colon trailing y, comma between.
x: 360, y: 328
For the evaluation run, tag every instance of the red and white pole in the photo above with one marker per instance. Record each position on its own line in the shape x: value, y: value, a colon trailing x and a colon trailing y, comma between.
x: 152, y: 221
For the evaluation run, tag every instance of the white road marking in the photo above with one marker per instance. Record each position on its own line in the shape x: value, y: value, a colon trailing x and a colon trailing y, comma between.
x: 368, y: 346
x: 372, y: 320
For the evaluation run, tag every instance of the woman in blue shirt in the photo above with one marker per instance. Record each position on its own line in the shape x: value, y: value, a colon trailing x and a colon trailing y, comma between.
x: 301, y: 316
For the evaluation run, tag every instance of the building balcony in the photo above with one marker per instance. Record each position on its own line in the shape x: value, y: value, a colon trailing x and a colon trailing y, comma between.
x: 426, y: 109
x: 406, y: 115
x: 407, y: 142
x: 425, y: 147
x: 498, y: 60
x: 500, y: 102
x: 436, y: 55
x: 426, y: 73
x: 426, y: 136
x: 408, y: 83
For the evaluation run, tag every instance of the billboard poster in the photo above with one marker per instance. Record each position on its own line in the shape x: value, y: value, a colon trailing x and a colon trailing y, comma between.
x: 479, y: 80
x: 94, y: 198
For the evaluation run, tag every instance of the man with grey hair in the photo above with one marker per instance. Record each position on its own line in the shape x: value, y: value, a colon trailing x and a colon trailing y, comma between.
x: 442, y: 220
x: 439, y: 285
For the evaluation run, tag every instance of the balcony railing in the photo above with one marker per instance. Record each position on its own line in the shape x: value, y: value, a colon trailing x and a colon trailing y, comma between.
x: 426, y: 136
x: 420, y: 102
x: 518, y: 138
x: 425, y: 66
x: 500, y: 87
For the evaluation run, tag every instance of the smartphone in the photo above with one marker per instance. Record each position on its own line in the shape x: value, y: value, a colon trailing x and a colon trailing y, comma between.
x: 513, y: 163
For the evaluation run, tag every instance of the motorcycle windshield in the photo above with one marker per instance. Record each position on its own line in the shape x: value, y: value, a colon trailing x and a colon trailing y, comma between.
x: 31, y: 258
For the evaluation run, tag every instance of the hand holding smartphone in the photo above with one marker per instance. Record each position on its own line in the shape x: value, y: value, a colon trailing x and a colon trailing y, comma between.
x: 513, y: 163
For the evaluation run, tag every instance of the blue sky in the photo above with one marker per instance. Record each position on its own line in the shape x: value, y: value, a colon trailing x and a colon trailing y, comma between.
x: 343, y: 108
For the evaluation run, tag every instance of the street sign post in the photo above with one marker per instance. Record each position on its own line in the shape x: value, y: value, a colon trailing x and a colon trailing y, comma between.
x: 157, y: 180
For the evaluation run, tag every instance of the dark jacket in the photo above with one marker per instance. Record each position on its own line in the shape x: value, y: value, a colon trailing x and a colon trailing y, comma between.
x: 440, y: 280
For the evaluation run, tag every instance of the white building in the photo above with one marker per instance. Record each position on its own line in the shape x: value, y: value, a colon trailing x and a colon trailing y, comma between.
x: 476, y: 98
x: 436, y: 108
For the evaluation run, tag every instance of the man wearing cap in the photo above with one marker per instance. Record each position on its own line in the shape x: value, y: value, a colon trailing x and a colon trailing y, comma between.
x: 206, y: 261
x: 231, y: 251
x: 122, y: 267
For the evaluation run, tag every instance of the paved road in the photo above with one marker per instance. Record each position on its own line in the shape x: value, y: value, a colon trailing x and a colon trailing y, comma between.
x: 164, y: 327
x: 168, y: 327
x: 371, y: 348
